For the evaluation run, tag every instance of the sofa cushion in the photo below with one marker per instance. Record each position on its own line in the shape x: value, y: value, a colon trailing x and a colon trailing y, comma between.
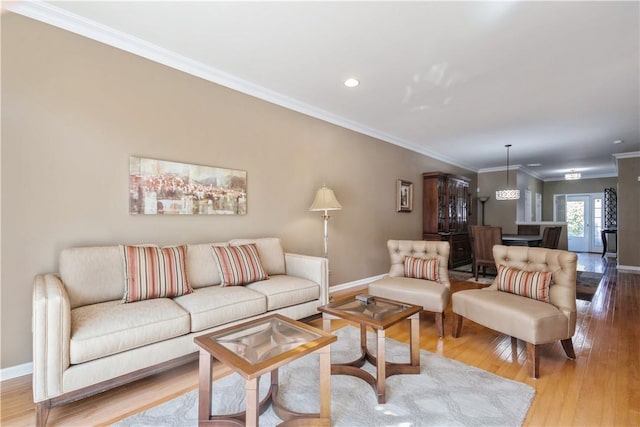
x: 421, y: 268
x: 239, y: 265
x: 432, y: 296
x: 202, y: 268
x: 92, y: 274
x: 284, y: 291
x: 217, y: 305
x: 151, y: 272
x: 270, y: 251
x: 530, y: 284
x: 111, y: 327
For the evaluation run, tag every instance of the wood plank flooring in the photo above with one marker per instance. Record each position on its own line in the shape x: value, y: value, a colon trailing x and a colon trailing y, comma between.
x: 600, y: 388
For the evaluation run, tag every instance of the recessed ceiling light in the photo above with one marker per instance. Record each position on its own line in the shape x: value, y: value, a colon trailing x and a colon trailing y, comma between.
x: 351, y: 83
x: 618, y: 141
x: 533, y: 165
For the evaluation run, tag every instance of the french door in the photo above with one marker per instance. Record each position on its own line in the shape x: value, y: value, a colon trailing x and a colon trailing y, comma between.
x: 583, y: 213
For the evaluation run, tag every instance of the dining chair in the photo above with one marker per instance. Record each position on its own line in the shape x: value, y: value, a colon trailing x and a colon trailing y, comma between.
x: 528, y: 230
x: 551, y: 237
x: 483, y: 238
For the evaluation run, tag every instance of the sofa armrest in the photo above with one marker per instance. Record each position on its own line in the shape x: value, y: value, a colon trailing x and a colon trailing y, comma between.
x: 311, y: 268
x: 51, y: 336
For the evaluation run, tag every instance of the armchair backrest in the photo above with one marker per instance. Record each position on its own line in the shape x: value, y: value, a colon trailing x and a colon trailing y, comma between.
x: 562, y: 264
x: 425, y: 249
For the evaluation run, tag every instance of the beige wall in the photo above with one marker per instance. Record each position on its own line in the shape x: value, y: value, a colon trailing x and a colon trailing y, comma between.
x: 629, y: 212
x: 74, y: 110
x: 498, y: 213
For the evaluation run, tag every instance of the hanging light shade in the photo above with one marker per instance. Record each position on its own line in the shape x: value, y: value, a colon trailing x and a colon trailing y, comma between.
x: 508, y: 193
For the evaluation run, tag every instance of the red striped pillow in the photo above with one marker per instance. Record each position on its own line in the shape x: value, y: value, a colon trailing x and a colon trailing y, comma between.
x: 153, y: 272
x: 420, y: 268
x: 530, y: 284
x: 239, y: 265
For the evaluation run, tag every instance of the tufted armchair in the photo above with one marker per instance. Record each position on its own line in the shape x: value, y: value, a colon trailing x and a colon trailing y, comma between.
x: 531, y: 320
x: 432, y: 295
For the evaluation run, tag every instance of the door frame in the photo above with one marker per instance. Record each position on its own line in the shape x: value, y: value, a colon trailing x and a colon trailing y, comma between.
x: 593, y: 225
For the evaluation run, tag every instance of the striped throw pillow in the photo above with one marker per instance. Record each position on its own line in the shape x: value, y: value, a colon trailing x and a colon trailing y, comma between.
x: 420, y: 268
x: 530, y: 284
x: 239, y: 265
x: 153, y: 272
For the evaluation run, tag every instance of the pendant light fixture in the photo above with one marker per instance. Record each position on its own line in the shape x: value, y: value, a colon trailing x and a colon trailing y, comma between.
x: 508, y: 193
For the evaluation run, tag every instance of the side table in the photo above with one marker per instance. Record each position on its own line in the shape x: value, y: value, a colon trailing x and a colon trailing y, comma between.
x: 255, y: 348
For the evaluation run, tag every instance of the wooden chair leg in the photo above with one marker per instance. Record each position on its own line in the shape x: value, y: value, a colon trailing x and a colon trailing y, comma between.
x: 533, y: 359
x: 42, y: 412
x: 457, y: 325
x: 440, y: 324
x: 567, y: 345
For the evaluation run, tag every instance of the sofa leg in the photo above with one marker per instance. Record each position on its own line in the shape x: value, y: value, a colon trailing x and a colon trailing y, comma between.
x: 533, y: 359
x: 457, y: 325
x: 440, y: 324
x: 567, y: 345
x: 42, y: 412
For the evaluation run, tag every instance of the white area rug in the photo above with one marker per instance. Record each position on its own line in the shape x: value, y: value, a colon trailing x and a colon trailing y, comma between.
x: 445, y: 393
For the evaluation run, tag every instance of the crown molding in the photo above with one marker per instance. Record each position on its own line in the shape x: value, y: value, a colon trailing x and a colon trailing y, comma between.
x: 629, y: 155
x: 71, y: 22
x: 518, y: 168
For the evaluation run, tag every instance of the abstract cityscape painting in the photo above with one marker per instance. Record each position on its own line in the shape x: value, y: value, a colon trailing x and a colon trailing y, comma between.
x: 159, y: 187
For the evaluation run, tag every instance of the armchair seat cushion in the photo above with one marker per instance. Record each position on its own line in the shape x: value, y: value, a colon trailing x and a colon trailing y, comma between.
x: 112, y: 327
x: 432, y: 296
x: 530, y: 320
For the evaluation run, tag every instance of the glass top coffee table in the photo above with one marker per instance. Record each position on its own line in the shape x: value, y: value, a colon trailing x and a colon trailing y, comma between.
x: 379, y: 314
x: 258, y: 347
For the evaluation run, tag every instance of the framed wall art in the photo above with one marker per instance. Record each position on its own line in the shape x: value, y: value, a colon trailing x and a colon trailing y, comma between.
x: 159, y: 187
x: 404, y: 196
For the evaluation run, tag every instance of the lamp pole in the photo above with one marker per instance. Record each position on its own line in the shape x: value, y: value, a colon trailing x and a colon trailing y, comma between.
x: 483, y: 200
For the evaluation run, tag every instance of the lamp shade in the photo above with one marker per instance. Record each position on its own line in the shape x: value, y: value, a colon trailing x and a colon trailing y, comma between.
x: 325, y: 201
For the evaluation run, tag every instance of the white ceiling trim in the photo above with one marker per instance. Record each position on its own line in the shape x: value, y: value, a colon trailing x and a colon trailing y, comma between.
x: 629, y: 155
x: 512, y: 167
x: 61, y: 18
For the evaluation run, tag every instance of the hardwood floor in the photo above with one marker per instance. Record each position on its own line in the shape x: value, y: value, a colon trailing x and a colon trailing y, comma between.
x: 600, y: 388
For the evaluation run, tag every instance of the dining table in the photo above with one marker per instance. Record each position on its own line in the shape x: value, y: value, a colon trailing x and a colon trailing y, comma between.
x: 521, y: 240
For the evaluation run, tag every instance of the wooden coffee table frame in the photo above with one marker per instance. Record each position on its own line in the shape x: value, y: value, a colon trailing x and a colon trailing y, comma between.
x: 209, y: 349
x: 383, y: 369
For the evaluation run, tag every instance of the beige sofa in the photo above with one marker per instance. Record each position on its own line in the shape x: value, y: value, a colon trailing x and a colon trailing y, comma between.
x: 85, y: 340
x: 433, y: 296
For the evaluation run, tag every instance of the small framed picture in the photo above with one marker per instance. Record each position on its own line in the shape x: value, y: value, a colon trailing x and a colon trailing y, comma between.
x: 404, y: 196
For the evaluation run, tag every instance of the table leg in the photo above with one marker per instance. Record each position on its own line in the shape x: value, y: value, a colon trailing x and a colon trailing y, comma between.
x: 326, y: 323
x: 381, y: 367
x: 204, y: 379
x: 325, y: 382
x: 252, y: 403
x: 415, y: 340
x: 603, y: 236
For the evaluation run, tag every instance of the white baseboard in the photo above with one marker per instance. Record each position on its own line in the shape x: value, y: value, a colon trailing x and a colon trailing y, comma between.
x: 348, y: 285
x: 633, y: 268
x: 16, y: 371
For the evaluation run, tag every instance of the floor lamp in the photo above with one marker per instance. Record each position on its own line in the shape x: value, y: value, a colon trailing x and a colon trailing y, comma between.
x: 325, y: 201
x: 483, y: 200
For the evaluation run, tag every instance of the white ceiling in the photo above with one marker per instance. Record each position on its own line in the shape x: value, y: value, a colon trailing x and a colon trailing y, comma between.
x: 453, y: 80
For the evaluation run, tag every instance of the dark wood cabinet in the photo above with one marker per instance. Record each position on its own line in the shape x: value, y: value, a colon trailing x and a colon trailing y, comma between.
x: 445, y: 211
